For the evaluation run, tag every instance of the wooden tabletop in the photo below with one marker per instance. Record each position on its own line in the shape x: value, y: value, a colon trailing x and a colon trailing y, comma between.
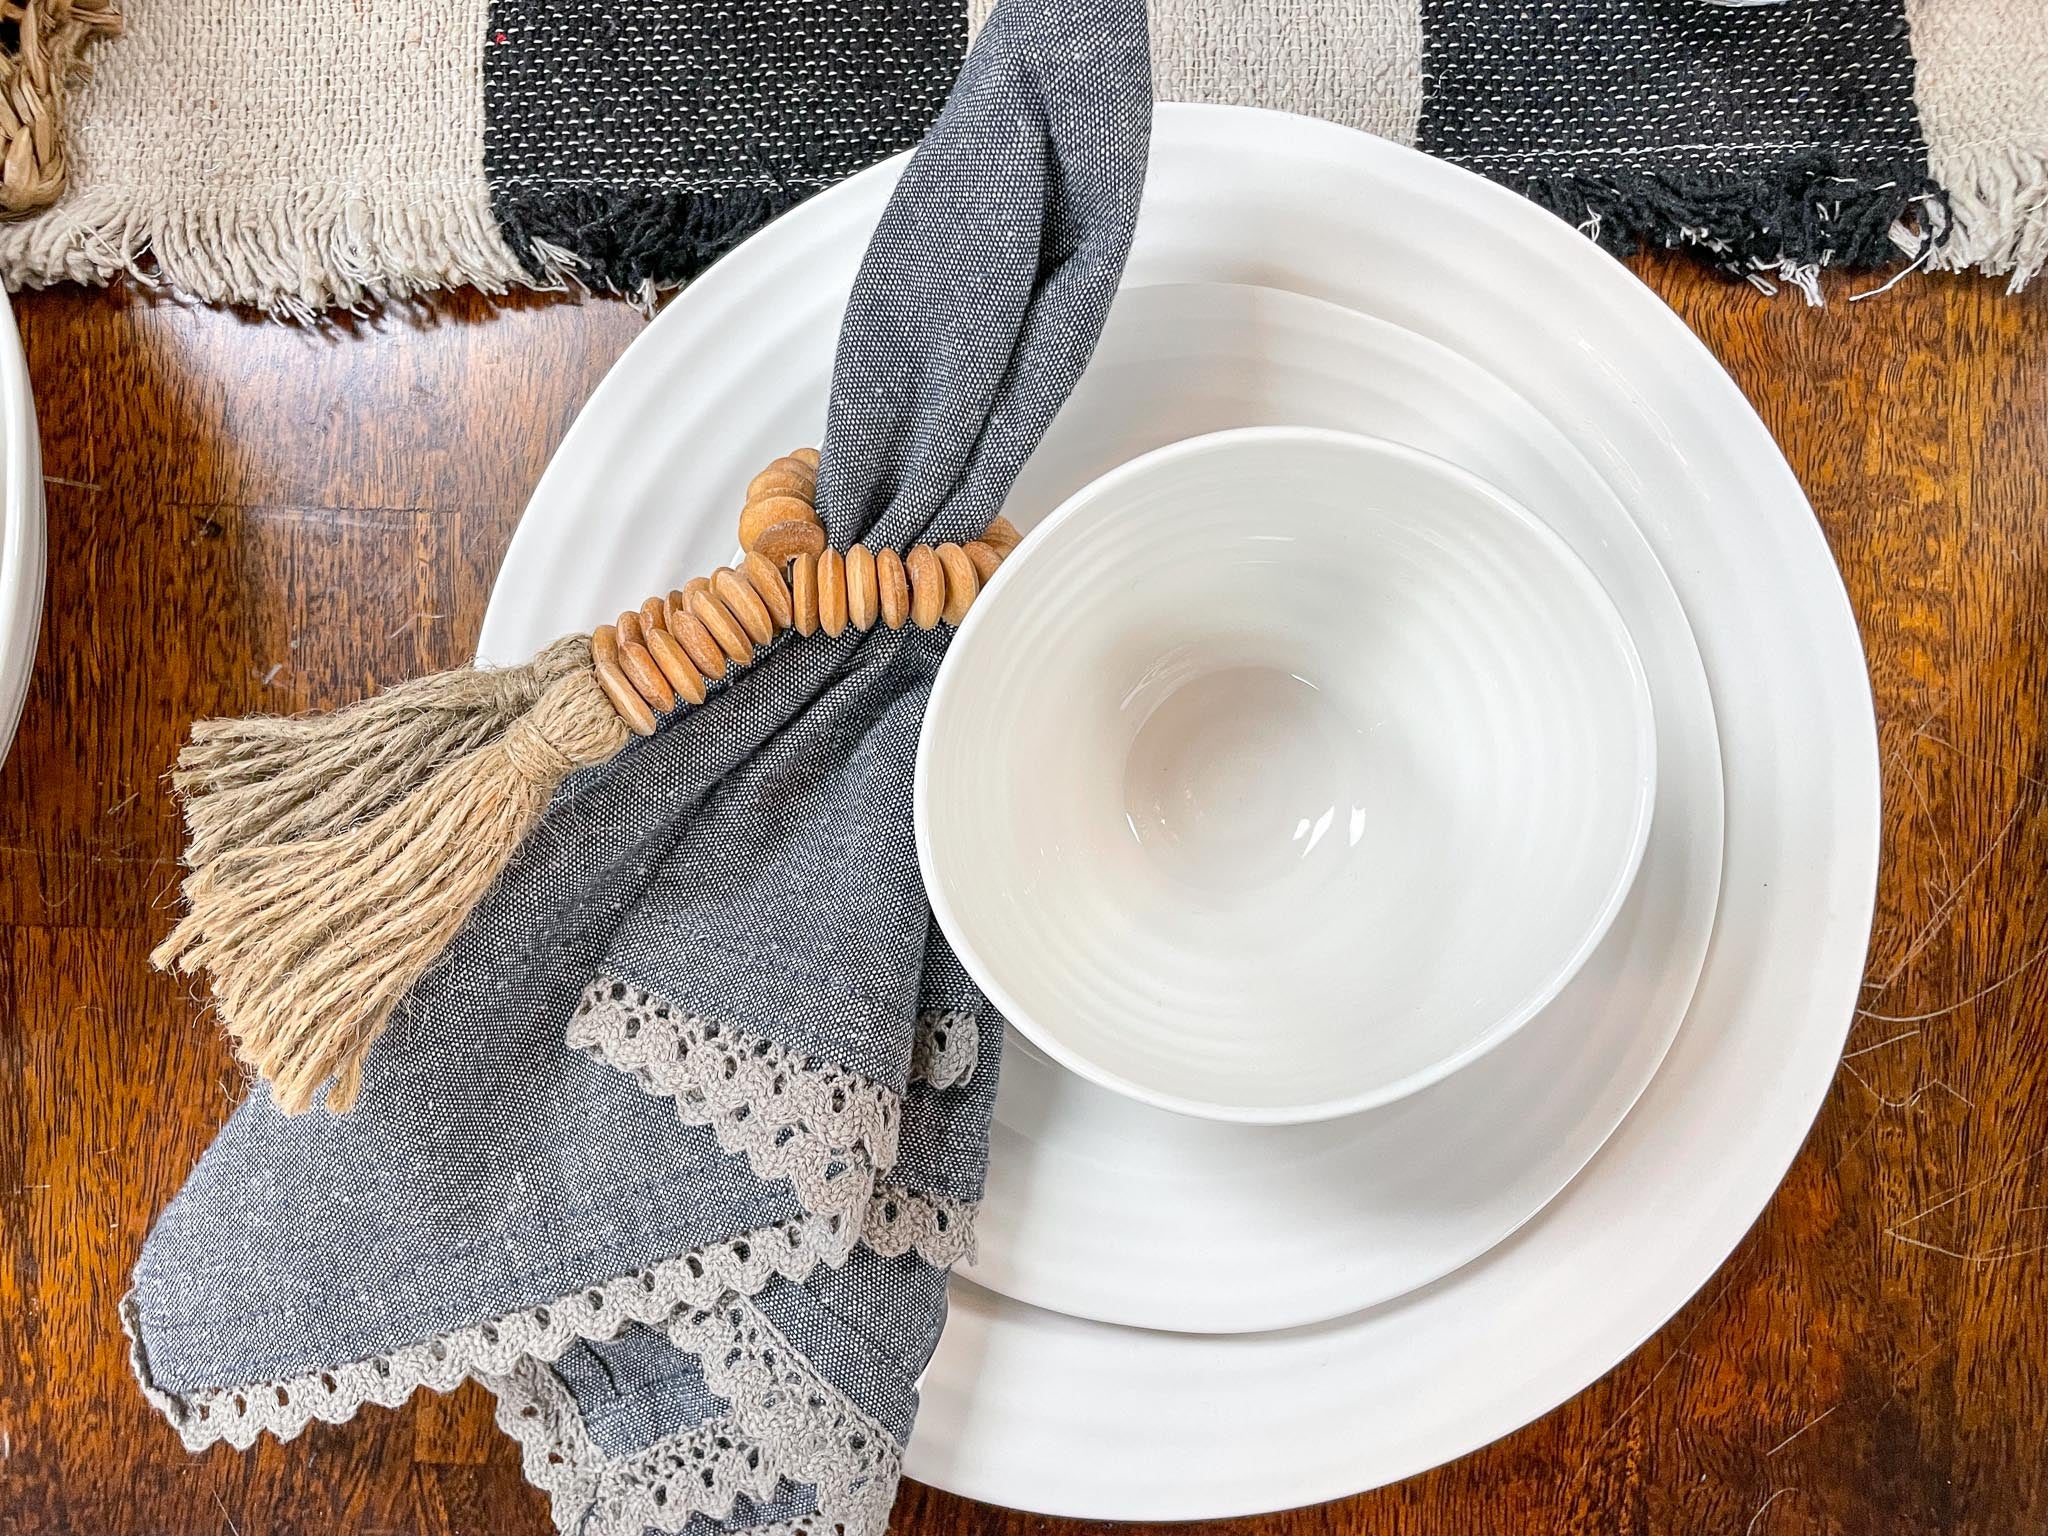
x: 249, y: 517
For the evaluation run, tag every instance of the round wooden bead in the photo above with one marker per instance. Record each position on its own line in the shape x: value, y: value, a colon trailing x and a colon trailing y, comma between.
x: 784, y: 541
x: 757, y: 517
x: 766, y: 580
x: 892, y: 588
x: 962, y: 583
x: 604, y: 662
x: 1001, y: 535
x: 725, y: 629
x: 832, y: 593
x: 697, y: 642
x: 653, y: 616
x: 744, y: 603
x: 785, y: 477
x: 792, y: 481
x: 985, y: 559
x: 637, y: 662
x: 927, y: 586
x: 860, y: 586
x: 805, y: 456
x: 631, y: 707
x: 676, y: 665
x: 803, y: 594
x: 629, y: 628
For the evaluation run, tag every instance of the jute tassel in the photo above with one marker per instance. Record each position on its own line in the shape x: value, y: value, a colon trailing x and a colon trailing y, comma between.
x: 334, y: 857
x: 311, y: 944
x: 244, y: 783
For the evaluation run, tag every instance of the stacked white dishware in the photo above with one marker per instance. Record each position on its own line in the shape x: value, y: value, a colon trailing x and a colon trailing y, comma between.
x: 1186, y: 1306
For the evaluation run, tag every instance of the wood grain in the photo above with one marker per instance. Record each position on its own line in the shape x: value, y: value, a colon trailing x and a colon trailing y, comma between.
x: 244, y: 516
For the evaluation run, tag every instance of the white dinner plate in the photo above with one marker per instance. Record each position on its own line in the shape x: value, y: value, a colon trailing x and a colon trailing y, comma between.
x: 22, y: 533
x: 1027, y: 1407
x: 1104, y: 1208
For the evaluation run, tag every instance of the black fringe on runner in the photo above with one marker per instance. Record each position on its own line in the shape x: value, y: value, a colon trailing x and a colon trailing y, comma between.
x: 1801, y: 212
x: 631, y: 242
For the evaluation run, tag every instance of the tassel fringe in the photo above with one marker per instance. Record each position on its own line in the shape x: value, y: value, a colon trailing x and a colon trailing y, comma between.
x: 311, y: 944
x: 243, y: 783
x: 634, y: 243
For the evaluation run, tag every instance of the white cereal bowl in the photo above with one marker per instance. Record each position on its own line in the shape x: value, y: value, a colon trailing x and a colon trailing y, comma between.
x: 1282, y: 771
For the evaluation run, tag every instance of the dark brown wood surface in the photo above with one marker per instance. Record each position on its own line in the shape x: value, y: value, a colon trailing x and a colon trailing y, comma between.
x: 244, y: 516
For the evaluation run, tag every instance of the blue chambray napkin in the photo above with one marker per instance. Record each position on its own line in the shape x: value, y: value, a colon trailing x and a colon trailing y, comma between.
x: 675, y: 1146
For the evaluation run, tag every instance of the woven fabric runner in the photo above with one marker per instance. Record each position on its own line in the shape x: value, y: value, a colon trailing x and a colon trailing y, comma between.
x: 298, y: 155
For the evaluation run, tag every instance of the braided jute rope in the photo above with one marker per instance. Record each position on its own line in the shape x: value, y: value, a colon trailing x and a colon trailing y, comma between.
x: 334, y: 857
x: 36, y: 73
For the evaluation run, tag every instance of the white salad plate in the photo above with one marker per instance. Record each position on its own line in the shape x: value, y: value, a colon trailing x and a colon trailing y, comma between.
x: 22, y: 530
x: 1102, y: 1207
x: 1028, y: 1407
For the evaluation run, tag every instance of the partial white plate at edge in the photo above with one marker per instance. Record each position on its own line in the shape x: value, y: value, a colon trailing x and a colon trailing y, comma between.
x: 1029, y: 1408
x: 23, y: 538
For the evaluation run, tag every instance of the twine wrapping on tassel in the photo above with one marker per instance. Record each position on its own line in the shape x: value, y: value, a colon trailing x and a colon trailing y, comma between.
x: 243, y: 783
x: 310, y: 945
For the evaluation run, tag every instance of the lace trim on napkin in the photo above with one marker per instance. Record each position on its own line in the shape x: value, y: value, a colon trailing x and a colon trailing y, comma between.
x: 897, y: 1220
x: 658, y: 1488
x: 945, y: 1048
x: 900, y: 1219
x: 742, y: 1265
x: 816, y: 1125
x: 787, y: 1424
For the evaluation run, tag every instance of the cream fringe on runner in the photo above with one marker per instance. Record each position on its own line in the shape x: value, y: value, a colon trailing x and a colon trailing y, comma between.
x: 292, y: 155
x: 1982, y: 86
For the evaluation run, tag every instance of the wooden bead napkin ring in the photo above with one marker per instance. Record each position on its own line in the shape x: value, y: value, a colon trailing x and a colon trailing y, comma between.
x: 332, y: 858
x: 667, y: 649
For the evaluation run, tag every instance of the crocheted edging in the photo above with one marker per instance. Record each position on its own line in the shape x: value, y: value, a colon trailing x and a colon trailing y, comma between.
x: 897, y: 1221
x: 900, y: 1219
x: 945, y: 1048
x: 820, y: 1127
x: 786, y: 1424
x: 283, y: 1408
x: 659, y: 1488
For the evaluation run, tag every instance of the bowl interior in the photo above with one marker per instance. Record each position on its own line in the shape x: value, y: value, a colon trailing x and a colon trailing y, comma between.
x: 1280, y: 772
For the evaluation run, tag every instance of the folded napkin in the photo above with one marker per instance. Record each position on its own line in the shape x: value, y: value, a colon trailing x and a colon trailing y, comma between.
x: 674, y: 1146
